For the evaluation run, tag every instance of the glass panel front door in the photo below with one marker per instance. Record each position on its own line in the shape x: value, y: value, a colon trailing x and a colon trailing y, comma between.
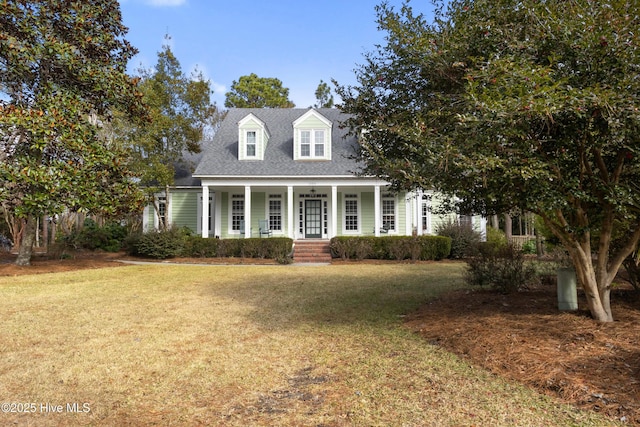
x: 313, y: 218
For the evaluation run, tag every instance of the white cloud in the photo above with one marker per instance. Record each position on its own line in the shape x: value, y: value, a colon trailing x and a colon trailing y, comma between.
x: 162, y: 3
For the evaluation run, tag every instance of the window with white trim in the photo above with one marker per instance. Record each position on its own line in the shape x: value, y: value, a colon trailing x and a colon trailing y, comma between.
x: 237, y: 212
x: 252, y: 138
x: 162, y: 211
x: 351, y: 213
x: 389, y: 212
x: 275, y: 212
x: 312, y: 144
x: 251, y: 143
x: 312, y: 137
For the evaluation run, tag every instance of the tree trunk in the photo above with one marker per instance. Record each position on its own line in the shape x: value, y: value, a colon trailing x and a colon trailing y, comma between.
x: 495, y: 223
x: 45, y: 232
x: 508, y: 227
x: 28, y: 238
x: 598, y: 294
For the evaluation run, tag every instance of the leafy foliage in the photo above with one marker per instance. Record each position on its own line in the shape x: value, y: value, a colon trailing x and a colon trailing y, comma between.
x: 323, y: 96
x: 391, y: 247
x: 257, y: 92
x: 62, y: 73
x: 513, y: 104
x: 464, y: 239
x: 109, y: 237
x: 496, y: 237
x: 501, y: 268
x: 161, y: 244
x: 180, y: 113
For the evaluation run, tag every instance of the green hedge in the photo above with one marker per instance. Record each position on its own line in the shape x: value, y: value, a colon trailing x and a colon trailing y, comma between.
x: 175, y: 243
x: 277, y: 248
x: 391, y: 247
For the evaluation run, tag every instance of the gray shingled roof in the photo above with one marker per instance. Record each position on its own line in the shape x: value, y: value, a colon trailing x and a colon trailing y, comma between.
x: 221, y: 154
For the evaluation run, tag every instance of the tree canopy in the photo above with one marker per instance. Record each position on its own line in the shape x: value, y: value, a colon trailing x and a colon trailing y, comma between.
x: 324, y: 97
x: 514, y: 103
x: 258, y: 92
x: 62, y: 72
x: 180, y: 111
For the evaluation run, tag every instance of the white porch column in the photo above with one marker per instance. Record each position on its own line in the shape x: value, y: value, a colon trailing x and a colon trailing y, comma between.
x: 376, y: 210
x: 291, y: 232
x: 205, y: 211
x: 333, y: 231
x: 409, y: 199
x: 418, y: 210
x: 217, y: 223
x: 247, y: 211
x: 168, y: 210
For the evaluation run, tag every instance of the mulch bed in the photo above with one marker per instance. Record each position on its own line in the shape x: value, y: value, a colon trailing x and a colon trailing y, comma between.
x: 521, y: 336
x: 524, y: 337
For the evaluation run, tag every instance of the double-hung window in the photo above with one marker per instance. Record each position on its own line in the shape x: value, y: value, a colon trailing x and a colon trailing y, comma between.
x: 388, y: 212
x: 351, y: 217
x: 275, y: 212
x: 251, y: 143
x: 312, y: 144
x: 237, y: 212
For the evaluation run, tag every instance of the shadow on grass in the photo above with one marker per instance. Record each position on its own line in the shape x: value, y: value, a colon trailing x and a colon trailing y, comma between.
x: 372, y: 295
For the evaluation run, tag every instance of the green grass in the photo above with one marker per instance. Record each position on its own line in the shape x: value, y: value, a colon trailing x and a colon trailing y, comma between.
x: 246, y: 346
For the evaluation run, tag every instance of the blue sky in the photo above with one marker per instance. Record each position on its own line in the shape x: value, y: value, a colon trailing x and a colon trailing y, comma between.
x: 299, y: 42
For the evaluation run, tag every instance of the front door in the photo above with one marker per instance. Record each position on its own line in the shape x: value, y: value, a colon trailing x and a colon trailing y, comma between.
x: 313, y: 219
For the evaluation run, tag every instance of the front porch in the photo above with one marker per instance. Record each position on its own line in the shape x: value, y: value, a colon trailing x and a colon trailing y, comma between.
x: 309, y: 210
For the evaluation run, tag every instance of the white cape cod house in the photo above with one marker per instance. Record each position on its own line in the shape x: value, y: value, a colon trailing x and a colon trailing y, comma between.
x: 290, y: 173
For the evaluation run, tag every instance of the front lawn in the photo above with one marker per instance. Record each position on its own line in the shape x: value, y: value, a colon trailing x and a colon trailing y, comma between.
x: 245, y: 346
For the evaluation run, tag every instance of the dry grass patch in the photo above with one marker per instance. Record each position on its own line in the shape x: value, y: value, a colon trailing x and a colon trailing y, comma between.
x: 238, y: 346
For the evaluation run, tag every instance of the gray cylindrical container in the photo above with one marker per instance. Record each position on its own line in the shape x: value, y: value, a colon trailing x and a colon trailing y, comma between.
x: 567, y: 289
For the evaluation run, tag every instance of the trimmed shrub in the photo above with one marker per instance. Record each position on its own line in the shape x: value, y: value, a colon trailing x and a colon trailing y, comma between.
x: 199, y: 247
x: 391, y: 247
x: 502, y: 269
x: 464, y: 239
x: 161, y: 244
x: 435, y: 247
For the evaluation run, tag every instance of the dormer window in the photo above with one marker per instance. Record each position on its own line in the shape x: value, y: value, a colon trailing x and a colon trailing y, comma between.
x: 312, y: 137
x: 252, y: 138
x: 251, y: 143
x: 312, y: 143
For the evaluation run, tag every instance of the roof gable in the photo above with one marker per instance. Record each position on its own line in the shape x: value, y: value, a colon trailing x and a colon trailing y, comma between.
x: 307, y: 118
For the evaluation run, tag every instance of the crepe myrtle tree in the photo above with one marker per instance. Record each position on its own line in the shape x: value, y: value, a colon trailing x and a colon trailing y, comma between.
x: 505, y: 104
x: 62, y: 71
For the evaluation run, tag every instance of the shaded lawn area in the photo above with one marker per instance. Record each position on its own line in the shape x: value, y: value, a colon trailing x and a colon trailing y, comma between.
x: 238, y: 346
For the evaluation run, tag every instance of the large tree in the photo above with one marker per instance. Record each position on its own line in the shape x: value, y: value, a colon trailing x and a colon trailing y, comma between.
x: 258, y: 92
x: 181, y: 112
x: 62, y: 71
x: 515, y: 103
